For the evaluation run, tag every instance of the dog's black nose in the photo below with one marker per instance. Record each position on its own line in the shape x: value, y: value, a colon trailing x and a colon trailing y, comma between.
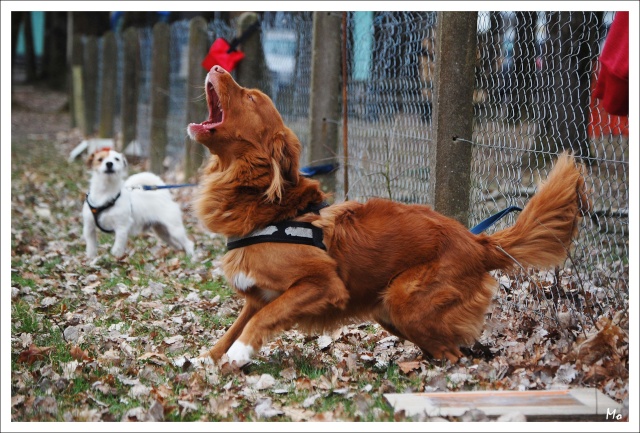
x: 109, y: 165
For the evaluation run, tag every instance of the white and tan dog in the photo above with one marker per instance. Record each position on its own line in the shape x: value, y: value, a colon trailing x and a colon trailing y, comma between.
x: 124, y: 208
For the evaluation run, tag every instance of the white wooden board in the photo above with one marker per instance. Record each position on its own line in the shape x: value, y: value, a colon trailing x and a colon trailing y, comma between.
x: 569, y: 402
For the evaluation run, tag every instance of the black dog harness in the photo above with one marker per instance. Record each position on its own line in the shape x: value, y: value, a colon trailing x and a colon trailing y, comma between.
x: 97, y: 210
x: 290, y: 232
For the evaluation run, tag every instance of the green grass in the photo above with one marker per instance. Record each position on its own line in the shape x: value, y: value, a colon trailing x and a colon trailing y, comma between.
x: 23, y: 319
x: 20, y: 281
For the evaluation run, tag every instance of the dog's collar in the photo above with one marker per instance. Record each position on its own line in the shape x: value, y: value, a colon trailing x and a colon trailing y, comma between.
x: 97, y: 210
x: 290, y: 232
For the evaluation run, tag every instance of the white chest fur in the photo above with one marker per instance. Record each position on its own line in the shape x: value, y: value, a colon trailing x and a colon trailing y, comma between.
x: 242, y: 281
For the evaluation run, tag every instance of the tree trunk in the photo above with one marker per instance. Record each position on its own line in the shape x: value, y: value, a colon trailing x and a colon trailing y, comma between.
x: 567, y: 77
x: 524, y: 58
x: 30, y: 51
x: 54, y: 57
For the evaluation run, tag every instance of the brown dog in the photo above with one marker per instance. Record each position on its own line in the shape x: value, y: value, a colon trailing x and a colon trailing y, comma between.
x: 422, y: 276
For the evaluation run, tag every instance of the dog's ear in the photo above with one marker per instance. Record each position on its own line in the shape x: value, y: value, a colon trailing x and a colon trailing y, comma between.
x: 285, y: 152
x: 89, y: 161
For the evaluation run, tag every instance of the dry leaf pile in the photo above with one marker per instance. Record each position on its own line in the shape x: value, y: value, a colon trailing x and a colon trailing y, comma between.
x: 117, y: 340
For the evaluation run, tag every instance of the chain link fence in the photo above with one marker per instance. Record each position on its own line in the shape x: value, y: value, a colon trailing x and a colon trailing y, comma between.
x: 534, y: 77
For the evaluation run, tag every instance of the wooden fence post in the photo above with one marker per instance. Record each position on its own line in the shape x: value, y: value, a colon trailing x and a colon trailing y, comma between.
x: 77, y: 99
x: 252, y: 70
x: 130, y: 86
x: 449, y: 158
x: 324, y: 103
x: 196, y: 103
x: 90, y: 84
x: 159, y: 96
x: 108, y: 84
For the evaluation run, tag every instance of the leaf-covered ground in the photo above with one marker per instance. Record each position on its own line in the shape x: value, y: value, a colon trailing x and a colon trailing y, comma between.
x: 109, y: 340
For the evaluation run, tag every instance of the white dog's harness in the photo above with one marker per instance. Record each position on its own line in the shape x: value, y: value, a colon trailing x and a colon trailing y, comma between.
x: 97, y: 210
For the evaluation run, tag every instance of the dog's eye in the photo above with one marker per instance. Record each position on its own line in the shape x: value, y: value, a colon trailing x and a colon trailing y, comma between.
x: 99, y: 159
x: 251, y: 98
x: 118, y: 159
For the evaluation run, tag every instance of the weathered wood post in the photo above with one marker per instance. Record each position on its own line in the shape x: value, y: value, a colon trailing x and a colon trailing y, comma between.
x: 130, y: 86
x: 324, y: 104
x: 252, y: 69
x: 77, y: 84
x: 159, y: 96
x: 196, y: 103
x: 449, y: 158
x: 90, y: 84
x: 108, y: 85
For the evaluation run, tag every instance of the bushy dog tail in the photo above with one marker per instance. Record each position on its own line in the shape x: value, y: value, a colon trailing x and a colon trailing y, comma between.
x: 542, y: 234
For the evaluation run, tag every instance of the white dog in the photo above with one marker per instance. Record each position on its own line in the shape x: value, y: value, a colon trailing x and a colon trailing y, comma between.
x: 123, y: 207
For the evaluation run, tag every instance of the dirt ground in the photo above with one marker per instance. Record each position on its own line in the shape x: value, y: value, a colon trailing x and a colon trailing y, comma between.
x: 38, y: 113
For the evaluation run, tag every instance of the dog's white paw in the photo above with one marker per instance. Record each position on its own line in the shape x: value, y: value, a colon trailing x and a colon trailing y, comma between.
x: 91, y: 250
x: 117, y: 252
x: 240, y: 353
x: 202, y: 361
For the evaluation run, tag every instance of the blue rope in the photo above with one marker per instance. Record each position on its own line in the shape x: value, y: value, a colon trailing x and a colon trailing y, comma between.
x: 311, y: 171
x: 485, y: 224
x: 308, y: 171
x: 154, y: 187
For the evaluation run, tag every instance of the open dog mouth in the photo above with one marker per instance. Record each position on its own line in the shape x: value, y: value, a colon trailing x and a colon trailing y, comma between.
x: 215, y: 92
x: 216, y: 115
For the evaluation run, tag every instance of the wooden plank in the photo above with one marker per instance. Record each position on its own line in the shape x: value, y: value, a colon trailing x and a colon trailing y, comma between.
x: 325, y: 95
x: 196, y: 103
x: 130, y: 86
x: 108, y: 85
x: 90, y: 85
x: 159, y: 96
x: 450, y: 158
x: 551, y: 403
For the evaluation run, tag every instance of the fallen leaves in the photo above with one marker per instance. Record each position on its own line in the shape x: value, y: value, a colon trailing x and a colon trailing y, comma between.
x: 409, y: 366
x: 33, y: 354
x: 79, y: 355
x: 605, y: 342
x: 265, y: 409
x: 109, y: 340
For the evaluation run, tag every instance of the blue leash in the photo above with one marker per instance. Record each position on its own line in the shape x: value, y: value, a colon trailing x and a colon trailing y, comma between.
x: 485, y: 224
x: 310, y: 171
x: 154, y: 187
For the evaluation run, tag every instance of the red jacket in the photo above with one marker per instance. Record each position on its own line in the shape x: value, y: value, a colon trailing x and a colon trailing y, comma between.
x: 612, y: 86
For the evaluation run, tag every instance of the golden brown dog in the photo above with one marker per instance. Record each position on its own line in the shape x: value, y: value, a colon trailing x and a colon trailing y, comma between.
x: 422, y: 276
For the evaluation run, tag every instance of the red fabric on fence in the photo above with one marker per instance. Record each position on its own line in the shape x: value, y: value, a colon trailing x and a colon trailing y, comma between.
x: 218, y: 55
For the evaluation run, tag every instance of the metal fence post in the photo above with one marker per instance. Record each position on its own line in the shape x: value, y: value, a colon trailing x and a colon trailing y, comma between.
x: 324, y: 103
x: 159, y: 96
x: 196, y: 103
x: 130, y: 86
x: 449, y: 158
x: 108, y: 85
